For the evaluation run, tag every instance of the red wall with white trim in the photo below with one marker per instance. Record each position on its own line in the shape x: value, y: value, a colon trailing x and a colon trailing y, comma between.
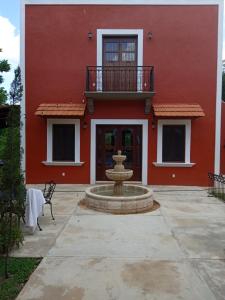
x: 222, y: 155
x: 183, y: 51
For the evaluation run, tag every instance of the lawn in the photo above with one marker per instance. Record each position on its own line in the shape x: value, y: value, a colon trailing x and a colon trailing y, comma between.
x: 20, y: 270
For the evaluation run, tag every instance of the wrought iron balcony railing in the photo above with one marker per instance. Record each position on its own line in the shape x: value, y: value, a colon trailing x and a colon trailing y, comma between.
x: 120, y: 79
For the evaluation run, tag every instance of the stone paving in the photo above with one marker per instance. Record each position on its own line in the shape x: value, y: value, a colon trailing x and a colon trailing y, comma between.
x: 175, y: 252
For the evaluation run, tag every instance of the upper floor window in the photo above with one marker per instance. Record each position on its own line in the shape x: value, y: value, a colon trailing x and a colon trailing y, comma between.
x: 119, y: 63
x: 120, y: 51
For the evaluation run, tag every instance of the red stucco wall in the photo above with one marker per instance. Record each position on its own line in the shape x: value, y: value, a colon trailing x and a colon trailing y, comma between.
x: 222, y: 155
x: 183, y: 51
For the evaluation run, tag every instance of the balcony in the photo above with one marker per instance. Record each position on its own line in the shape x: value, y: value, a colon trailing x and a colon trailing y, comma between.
x: 119, y: 83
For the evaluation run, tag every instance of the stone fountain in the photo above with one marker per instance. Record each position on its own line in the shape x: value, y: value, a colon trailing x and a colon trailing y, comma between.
x: 119, y: 198
x: 119, y: 174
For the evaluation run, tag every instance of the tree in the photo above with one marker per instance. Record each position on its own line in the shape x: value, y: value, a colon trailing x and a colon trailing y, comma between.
x: 12, y: 182
x: 16, y: 89
x: 4, y: 67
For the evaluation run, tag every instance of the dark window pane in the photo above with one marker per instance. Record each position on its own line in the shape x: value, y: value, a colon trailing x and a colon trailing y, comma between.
x: 173, y: 146
x: 110, y: 138
x: 127, y: 138
x: 129, y: 155
x: 111, y: 56
x: 127, y: 56
x: 63, y: 142
x: 108, y: 158
x: 111, y: 46
x: 128, y: 46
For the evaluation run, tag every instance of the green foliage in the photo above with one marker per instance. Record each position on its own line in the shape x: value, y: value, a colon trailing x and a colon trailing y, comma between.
x: 2, y: 140
x: 12, y: 181
x: 3, y: 95
x: 16, y: 89
x: 20, y: 270
x: 4, y: 67
x: 8, y: 237
x: 223, y: 87
x: 12, y: 178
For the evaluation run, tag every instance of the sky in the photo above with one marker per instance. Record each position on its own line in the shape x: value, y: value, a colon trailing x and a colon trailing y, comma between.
x: 10, y: 36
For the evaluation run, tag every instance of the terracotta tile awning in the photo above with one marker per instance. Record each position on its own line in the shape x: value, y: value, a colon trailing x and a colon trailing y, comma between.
x: 178, y: 110
x: 60, y: 110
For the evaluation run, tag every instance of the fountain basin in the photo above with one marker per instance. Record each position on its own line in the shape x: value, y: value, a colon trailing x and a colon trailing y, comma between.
x: 119, y: 175
x: 135, y: 199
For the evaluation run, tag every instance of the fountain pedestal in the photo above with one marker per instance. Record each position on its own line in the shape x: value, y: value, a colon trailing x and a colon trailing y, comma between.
x: 118, y: 188
x: 119, y: 174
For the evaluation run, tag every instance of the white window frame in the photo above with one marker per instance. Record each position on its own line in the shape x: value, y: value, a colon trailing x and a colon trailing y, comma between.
x: 50, y: 123
x: 187, y: 162
x: 120, y: 32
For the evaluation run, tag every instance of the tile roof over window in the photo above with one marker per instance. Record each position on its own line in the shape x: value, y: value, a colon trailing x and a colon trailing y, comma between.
x: 60, y: 110
x: 178, y: 110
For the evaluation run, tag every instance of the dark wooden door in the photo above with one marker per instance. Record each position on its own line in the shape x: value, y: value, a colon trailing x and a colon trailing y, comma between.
x: 110, y: 139
x: 119, y: 63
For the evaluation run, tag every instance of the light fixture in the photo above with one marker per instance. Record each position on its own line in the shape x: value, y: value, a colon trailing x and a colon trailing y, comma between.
x: 153, y: 124
x: 90, y: 35
x: 149, y: 35
x: 85, y: 124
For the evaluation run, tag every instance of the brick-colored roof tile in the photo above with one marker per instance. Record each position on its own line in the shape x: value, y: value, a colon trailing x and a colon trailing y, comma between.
x: 178, y: 110
x: 60, y: 110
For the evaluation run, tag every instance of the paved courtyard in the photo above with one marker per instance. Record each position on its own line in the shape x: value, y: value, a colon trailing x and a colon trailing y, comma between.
x: 175, y: 252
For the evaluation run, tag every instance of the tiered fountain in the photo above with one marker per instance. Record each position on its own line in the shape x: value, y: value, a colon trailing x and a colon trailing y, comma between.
x: 119, y: 198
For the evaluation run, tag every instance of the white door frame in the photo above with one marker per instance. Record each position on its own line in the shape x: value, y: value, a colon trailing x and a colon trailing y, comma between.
x: 142, y: 122
x: 121, y: 32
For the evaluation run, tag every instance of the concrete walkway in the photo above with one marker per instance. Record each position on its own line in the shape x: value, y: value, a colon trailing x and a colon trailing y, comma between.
x: 175, y: 252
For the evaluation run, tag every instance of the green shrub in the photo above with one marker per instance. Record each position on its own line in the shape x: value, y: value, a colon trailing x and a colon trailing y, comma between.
x: 13, y: 237
x: 12, y: 182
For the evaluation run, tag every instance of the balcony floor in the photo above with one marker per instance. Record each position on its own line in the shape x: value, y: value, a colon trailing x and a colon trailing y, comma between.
x: 121, y: 95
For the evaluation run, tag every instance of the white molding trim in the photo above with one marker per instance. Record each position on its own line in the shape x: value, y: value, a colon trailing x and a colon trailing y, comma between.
x: 142, y: 122
x: 187, y: 124
x: 124, y: 2
x: 111, y: 32
x: 219, y: 91
x: 23, y: 102
x: 174, y: 165
x: 62, y: 163
x: 76, y: 123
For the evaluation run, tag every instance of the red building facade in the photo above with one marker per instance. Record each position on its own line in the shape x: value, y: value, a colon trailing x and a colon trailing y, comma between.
x: 132, y: 76
x: 222, y: 158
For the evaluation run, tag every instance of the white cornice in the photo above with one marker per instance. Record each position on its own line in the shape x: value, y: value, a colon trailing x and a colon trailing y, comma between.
x: 123, y: 2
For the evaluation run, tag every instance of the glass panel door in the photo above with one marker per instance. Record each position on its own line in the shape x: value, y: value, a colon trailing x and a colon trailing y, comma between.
x: 110, y: 139
x: 120, y: 63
